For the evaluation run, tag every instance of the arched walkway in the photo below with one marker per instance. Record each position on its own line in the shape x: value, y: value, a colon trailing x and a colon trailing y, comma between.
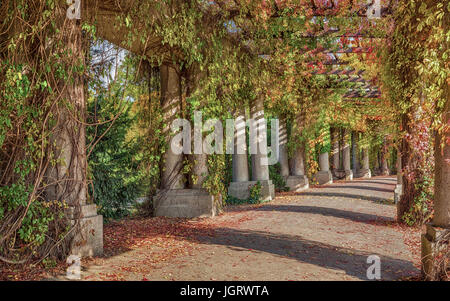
x: 319, y: 233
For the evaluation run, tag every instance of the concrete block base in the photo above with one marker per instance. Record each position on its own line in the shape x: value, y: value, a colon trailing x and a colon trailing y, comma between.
x: 338, y: 174
x: 430, y: 249
x: 364, y: 173
x: 88, y: 241
x: 297, y: 183
x: 241, y: 190
x: 324, y: 177
x: 349, y: 175
x: 186, y: 203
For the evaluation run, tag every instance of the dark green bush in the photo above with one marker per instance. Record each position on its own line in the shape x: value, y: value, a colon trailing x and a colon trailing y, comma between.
x: 114, y: 161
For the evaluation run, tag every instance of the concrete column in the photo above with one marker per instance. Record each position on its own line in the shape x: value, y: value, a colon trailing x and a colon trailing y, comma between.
x: 298, y: 181
x: 298, y: 161
x: 365, y: 160
x: 441, y: 219
x: 324, y: 163
x: 399, y: 187
x: 335, y: 150
x: 240, y: 156
x: 260, y: 169
x: 384, y: 163
x: 346, y: 157
x: 67, y: 177
x: 174, y: 199
x: 171, y: 175
x: 442, y: 174
x: 240, y: 186
x: 377, y: 167
x: 355, y: 153
x: 258, y: 142
x: 341, y: 148
x: 284, y: 160
x: 365, y: 172
x: 324, y: 175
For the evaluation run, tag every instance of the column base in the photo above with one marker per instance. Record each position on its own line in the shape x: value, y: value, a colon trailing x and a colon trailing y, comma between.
x: 297, y: 183
x: 398, y: 193
x: 324, y: 177
x: 241, y: 190
x: 349, y: 175
x: 430, y: 250
x: 385, y: 172
x: 364, y: 173
x: 89, y: 239
x: 338, y: 174
x: 184, y: 203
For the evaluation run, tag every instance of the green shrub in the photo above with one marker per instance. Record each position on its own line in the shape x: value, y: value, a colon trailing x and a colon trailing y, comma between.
x: 277, y: 179
x: 114, y: 161
x: 255, y: 196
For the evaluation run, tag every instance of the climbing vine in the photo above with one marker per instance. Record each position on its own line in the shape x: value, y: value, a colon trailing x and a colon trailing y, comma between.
x: 415, y: 76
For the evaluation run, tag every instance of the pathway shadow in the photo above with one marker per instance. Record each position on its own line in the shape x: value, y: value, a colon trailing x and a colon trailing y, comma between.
x: 385, y: 182
x: 344, y: 186
x: 325, y: 211
x: 348, y: 195
x: 353, y: 262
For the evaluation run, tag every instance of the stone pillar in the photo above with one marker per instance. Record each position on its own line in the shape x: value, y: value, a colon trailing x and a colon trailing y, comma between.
x: 377, y: 167
x: 241, y: 184
x: 442, y: 176
x: 346, y: 157
x: 258, y: 142
x: 365, y: 172
x: 174, y: 199
x: 324, y: 175
x: 298, y: 181
x: 335, y: 151
x: 384, y: 163
x: 441, y: 219
x: 298, y: 161
x: 355, y: 153
x: 240, y: 156
x: 239, y: 187
x: 399, y: 187
x: 171, y: 175
x: 67, y: 177
x: 283, y: 159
